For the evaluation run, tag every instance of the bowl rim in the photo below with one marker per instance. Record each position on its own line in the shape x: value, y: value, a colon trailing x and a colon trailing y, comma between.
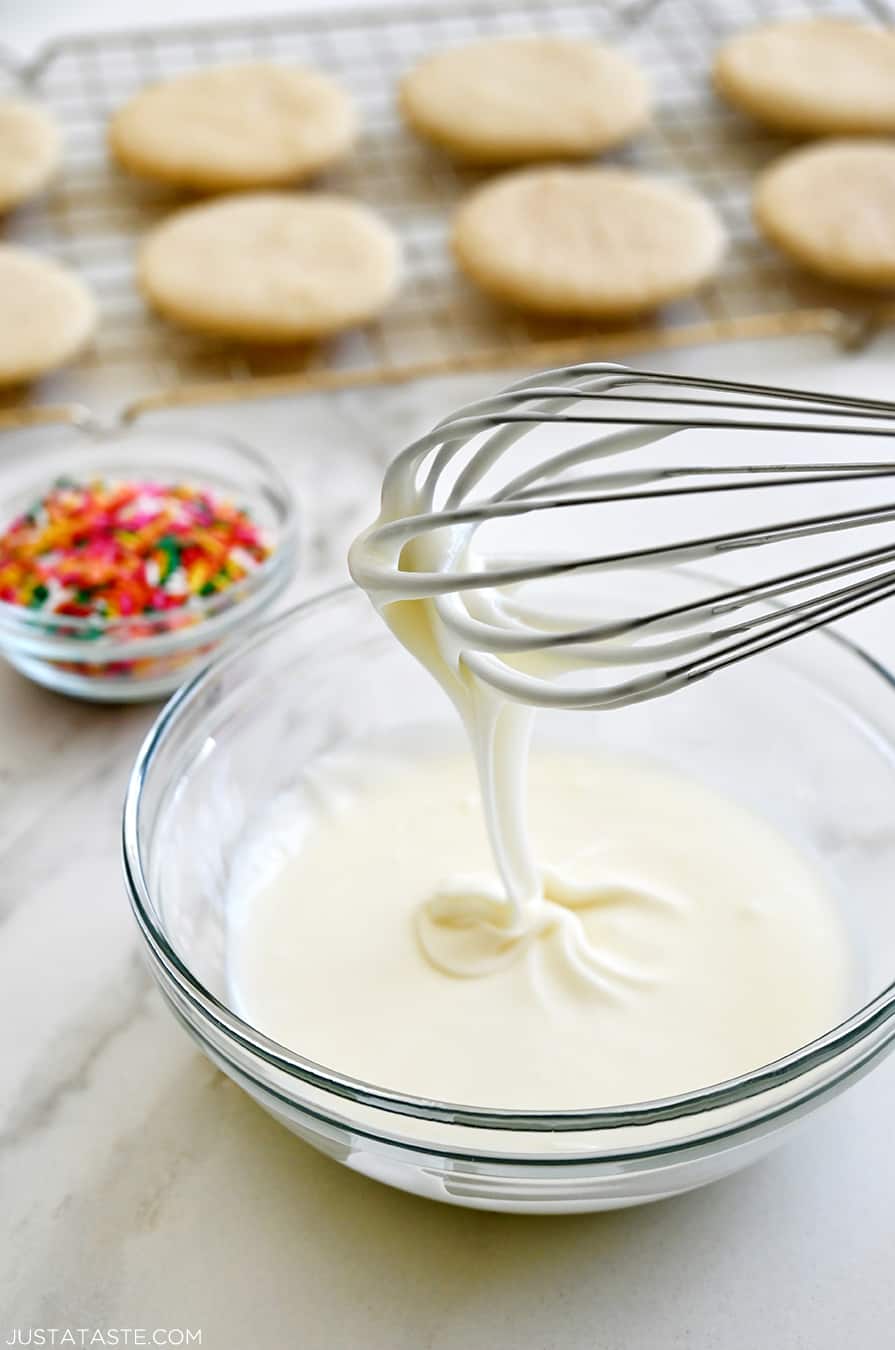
x: 822, y: 1050
x: 18, y: 623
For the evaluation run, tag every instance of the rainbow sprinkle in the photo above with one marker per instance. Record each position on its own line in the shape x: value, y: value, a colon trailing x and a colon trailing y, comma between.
x: 150, y: 554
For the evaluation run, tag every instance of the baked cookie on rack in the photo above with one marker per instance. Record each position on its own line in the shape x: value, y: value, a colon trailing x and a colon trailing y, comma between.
x: 831, y: 208
x: 29, y: 151
x: 270, y: 267
x: 514, y: 100
x: 812, y: 76
x: 586, y: 242
x: 234, y: 127
x: 47, y: 315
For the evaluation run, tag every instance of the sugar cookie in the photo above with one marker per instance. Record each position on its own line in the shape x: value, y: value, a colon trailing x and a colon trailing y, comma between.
x: 509, y: 100
x: 270, y: 267
x: 249, y: 126
x: 831, y: 207
x: 29, y: 151
x: 585, y: 241
x: 812, y: 76
x: 46, y: 317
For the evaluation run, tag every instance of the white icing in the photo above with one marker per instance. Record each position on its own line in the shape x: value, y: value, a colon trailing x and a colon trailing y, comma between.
x: 738, y: 954
x: 495, y: 656
x: 659, y: 938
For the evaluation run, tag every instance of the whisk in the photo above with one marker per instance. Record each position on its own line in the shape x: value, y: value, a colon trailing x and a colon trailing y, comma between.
x: 517, y: 646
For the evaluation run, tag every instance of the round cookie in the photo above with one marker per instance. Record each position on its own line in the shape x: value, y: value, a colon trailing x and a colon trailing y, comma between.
x: 511, y: 100
x: 29, y: 151
x: 584, y: 241
x: 831, y: 207
x: 46, y: 317
x: 270, y: 267
x: 234, y: 127
x: 812, y: 76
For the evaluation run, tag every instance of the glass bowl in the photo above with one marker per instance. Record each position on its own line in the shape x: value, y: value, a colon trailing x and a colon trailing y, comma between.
x: 119, y: 660
x: 805, y: 736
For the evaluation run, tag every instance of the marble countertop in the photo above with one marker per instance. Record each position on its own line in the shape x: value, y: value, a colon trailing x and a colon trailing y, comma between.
x: 141, y: 1189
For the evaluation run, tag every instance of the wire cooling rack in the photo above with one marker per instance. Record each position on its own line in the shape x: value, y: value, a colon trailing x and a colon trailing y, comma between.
x: 93, y: 215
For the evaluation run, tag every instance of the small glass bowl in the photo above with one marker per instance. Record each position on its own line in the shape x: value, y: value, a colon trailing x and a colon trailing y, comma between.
x: 804, y: 735
x: 122, y: 665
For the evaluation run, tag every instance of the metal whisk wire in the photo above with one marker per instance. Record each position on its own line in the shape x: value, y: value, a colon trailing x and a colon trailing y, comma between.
x: 481, y: 604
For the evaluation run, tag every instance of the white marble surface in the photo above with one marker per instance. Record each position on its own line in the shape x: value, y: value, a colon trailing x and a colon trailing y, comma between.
x: 141, y: 1189
x: 27, y: 27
